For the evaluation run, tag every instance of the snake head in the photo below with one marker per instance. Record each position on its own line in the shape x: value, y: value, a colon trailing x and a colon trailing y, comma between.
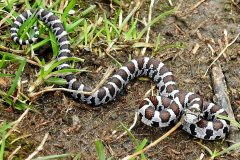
x: 192, y: 114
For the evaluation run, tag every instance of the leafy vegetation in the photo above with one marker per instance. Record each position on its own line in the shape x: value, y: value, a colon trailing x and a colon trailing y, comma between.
x: 98, y: 32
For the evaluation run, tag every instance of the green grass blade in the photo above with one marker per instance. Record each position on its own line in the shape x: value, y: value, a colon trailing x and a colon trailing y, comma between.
x: 9, y: 4
x: 54, y: 44
x: 27, y: 4
x: 20, y: 105
x: 157, y: 43
x: 88, y: 10
x: 70, y: 6
x: 107, y: 30
x: 206, y: 148
x: 100, y: 150
x: 55, y: 80
x: 49, y: 68
x: 232, y: 121
x: 54, y: 4
x: 116, y: 17
x: 125, y: 21
x: 41, y: 72
x: 2, y: 61
x: 85, y: 29
x: 64, y: 72
x: 39, y: 44
x: 77, y: 157
x: 71, y: 27
x: 227, y: 150
x: 12, y: 56
x: 117, y: 2
x: 6, y: 75
x: 129, y: 34
x: 38, y: 4
x: 156, y: 19
x: 84, y: 37
x: 96, y: 36
x: 135, y: 141
x: 18, y: 74
x: 4, y: 127
x: 141, y: 146
x: 114, y: 27
x: 27, y: 25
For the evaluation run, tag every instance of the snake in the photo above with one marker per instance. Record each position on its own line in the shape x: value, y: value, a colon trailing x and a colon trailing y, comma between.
x: 162, y: 110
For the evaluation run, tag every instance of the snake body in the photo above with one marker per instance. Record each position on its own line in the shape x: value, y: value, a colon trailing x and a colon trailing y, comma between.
x: 157, y: 111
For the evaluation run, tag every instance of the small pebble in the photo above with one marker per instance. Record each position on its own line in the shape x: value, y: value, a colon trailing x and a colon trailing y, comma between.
x: 113, y: 116
x: 75, y: 119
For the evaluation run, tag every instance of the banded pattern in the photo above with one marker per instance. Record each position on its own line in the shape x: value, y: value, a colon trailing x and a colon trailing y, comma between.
x: 156, y: 111
x: 51, y: 21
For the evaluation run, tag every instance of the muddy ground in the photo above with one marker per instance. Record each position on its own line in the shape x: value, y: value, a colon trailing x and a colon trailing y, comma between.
x: 74, y: 127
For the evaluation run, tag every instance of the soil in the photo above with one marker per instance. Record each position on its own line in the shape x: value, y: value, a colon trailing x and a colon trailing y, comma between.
x: 74, y: 127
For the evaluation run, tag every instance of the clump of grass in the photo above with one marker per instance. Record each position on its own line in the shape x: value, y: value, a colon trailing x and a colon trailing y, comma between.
x: 6, y: 129
x: 20, y: 101
x: 100, y: 150
x: 47, y: 71
x: 3, y: 130
x: 112, y: 33
x: 139, y: 145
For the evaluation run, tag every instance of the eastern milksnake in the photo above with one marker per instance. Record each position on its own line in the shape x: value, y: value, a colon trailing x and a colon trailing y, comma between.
x: 157, y: 111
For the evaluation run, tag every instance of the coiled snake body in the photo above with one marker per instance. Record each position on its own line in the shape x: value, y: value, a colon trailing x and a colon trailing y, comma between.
x: 157, y: 111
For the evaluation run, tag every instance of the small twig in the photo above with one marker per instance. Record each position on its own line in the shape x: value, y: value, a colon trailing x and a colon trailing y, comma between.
x: 39, y: 148
x: 21, y: 137
x: 123, y: 23
x: 195, y: 49
x: 105, y: 77
x: 149, y: 91
x: 220, y: 91
x: 225, y: 36
x: 220, y: 88
x: 156, y: 141
x: 198, y: 4
x: 235, y: 4
x: 14, y: 152
x: 57, y: 89
x: 220, y: 54
x: 211, y: 48
x: 170, y: 2
x: 6, y: 17
x: 33, y: 63
x: 3, y: 48
x: 16, y: 124
x: 131, y: 127
x: 201, y: 156
x: 109, y: 49
x: 108, y: 73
